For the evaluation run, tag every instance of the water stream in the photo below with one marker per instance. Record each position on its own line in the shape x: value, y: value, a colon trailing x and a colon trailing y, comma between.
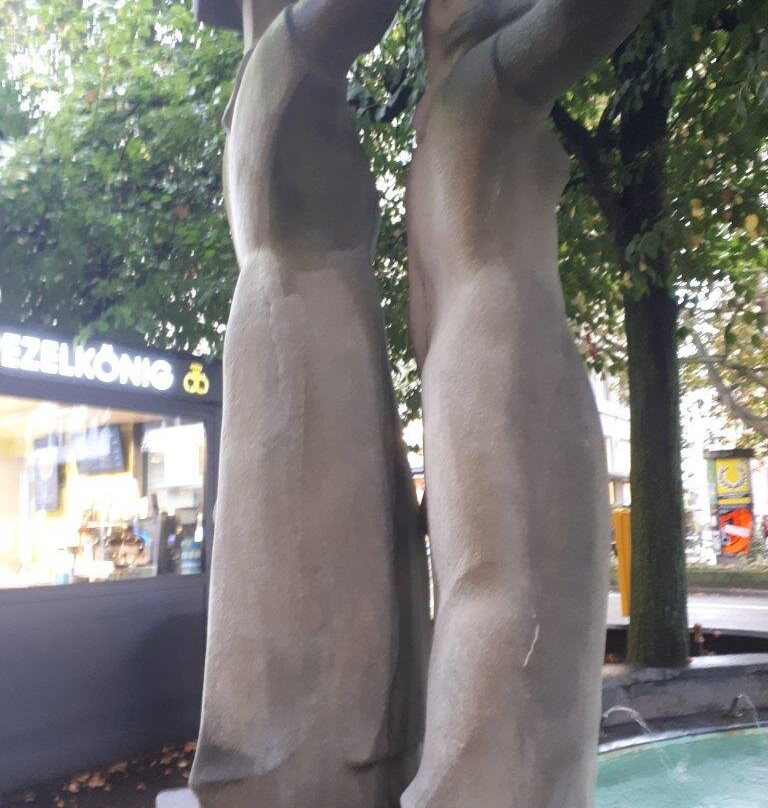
x: 643, y: 724
x: 718, y: 770
x: 726, y: 769
x: 736, y: 712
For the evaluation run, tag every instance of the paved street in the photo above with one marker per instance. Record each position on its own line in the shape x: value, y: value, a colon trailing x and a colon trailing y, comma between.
x: 749, y: 613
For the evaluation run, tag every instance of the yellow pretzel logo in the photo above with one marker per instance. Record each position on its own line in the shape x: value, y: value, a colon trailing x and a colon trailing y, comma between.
x: 196, y: 383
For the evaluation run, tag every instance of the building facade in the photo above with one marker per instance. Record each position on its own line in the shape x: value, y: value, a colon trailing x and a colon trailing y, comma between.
x: 615, y: 422
x: 108, y: 465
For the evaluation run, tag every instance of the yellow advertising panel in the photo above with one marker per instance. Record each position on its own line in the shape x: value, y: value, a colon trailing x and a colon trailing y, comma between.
x: 730, y: 492
x: 732, y: 481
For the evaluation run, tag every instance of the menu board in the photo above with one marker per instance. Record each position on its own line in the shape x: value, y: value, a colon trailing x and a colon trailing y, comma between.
x: 99, y: 450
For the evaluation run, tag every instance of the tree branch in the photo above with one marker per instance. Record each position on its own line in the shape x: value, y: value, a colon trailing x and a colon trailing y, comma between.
x: 738, y: 367
x: 605, y: 135
x: 724, y: 20
x: 580, y: 143
x: 725, y: 393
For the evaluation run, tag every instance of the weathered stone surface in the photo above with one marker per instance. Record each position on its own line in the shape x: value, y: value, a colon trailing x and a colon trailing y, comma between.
x: 313, y: 685
x: 318, y: 608
x: 222, y: 13
x: 514, y: 462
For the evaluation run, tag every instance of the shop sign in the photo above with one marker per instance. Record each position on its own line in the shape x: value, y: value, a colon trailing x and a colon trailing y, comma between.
x: 26, y: 354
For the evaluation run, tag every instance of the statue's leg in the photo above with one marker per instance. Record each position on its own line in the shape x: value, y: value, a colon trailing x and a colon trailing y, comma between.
x: 408, y: 695
x: 518, y: 524
x: 304, y: 632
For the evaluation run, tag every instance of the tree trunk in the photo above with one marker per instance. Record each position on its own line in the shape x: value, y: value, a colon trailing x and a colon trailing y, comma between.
x: 658, y: 634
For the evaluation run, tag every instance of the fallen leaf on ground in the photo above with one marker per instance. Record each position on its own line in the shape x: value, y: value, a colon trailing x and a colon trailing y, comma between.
x: 96, y: 781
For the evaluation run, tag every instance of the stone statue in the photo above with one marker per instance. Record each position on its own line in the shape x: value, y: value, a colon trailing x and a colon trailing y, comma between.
x: 515, y: 466
x: 318, y: 616
x: 314, y: 677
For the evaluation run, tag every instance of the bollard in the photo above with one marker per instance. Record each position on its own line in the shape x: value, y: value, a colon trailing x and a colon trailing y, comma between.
x: 622, y: 535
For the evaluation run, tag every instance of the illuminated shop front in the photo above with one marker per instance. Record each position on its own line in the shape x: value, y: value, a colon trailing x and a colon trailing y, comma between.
x: 95, y: 493
x: 107, y: 485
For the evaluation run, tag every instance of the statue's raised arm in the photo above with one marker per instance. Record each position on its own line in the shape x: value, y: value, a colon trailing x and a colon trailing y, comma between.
x: 334, y: 32
x: 555, y: 42
x: 293, y: 154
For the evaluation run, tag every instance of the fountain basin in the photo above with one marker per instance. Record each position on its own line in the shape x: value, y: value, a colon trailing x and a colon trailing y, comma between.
x: 727, y: 769
x: 724, y: 769
x: 664, y: 696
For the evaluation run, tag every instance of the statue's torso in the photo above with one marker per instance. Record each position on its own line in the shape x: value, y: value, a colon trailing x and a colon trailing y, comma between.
x: 296, y: 180
x: 486, y: 176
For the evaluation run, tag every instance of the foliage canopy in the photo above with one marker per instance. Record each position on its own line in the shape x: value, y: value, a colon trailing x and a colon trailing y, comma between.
x: 110, y: 193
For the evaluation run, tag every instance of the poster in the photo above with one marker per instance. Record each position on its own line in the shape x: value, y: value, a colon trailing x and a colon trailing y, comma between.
x: 47, y: 474
x: 730, y: 493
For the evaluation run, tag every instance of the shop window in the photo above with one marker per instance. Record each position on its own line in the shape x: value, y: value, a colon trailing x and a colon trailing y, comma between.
x: 96, y: 494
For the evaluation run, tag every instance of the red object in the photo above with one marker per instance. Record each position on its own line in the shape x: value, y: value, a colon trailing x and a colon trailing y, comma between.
x: 736, y: 528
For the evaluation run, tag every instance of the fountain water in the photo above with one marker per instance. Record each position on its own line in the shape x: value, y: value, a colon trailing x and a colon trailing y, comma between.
x: 716, y: 770
x: 736, y: 711
x: 643, y: 724
x: 633, y: 714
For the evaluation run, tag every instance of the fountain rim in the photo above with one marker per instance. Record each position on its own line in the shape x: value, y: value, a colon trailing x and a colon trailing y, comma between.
x: 637, y: 741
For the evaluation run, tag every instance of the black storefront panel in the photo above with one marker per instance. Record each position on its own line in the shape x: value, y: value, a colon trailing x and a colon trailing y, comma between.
x: 112, y: 663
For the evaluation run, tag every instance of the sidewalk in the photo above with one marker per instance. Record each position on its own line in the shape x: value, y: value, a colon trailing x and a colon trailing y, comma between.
x: 133, y: 783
